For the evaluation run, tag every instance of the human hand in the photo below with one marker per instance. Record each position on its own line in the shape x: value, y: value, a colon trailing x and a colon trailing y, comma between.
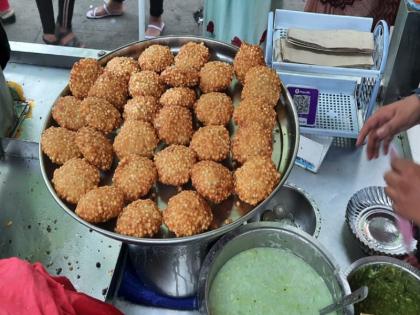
x: 403, y: 187
x: 387, y: 122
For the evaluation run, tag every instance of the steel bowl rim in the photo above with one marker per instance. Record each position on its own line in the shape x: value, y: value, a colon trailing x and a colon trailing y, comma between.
x: 208, y: 235
x: 381, y: 260
x: 217, y: 248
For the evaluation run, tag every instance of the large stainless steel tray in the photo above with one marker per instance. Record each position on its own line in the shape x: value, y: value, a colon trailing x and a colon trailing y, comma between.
x: 285, y: 149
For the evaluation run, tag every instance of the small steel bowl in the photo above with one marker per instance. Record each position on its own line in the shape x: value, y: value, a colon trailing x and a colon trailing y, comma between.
x: 373, y: 222
x: 292, y: 206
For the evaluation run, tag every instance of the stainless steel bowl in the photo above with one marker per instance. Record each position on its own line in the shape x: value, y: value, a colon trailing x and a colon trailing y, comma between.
x: 292, y: 206
x: 274, y: 235
x: 184, y: 262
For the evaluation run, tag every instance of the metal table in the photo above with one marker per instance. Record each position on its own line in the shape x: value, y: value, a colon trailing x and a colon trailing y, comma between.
x: 344, y: 171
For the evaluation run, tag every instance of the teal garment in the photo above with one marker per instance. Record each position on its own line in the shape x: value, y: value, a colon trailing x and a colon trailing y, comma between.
x: 244, y: 19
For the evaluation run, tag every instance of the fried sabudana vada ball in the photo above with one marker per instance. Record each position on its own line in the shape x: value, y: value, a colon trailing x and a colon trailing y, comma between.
x: 247, y: 57
x: 66, y: 112
x: 95, y: 147
x: 254, y: 111
x: 211, y: 143
x: 141, y: 108
x: 212, y: 180
x: 192, y: 56
x: 59, y: 144
x: 174, y: 125
x: 135, y: 137
x: 100, y: 114
x: 100, y: 204
x: 141, y: 218
x: 145, y: 83
x: 123, y: 66
x: 156, y: 58
x: 83, y: 75
x: 174, y: 164
x: 251, y: 141
x: 262, y: 82
x: 256, y: 179
x: 74, y: 179
x: 112, y: 87
x: 135, y: 175
x: 215, y: 76
x: 178, y: 96
x: 214, y: 108
x: 187, y: 214
x: 176, y: 77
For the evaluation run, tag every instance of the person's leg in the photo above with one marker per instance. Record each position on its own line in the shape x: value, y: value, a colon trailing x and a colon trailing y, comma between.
x: 111, y: 8
x: 46, y: 12
x: 64, y: 30
x: 156, y: 24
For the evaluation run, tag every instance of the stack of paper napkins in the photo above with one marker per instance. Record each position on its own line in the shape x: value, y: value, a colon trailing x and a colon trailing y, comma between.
x: 335, y: 48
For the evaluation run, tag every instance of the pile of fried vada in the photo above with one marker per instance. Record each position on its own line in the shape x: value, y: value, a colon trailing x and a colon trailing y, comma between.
x: 164, y: 119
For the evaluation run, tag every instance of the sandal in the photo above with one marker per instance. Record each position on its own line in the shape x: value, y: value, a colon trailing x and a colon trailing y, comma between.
x: 74, y: 42
x: 160, y: 29
x: 48, y: 42
x: 8, y: 16
x: 92, y: 13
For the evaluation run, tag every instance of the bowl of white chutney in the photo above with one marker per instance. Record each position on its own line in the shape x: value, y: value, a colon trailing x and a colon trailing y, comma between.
x: 266, y: 268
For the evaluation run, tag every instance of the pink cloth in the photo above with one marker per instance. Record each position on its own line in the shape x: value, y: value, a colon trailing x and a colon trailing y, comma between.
x: 29, y: 289
x: 4, y: 5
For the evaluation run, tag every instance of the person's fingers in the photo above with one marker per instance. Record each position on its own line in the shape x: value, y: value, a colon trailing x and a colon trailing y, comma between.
x: 392, y: 179
x: 389, y: 129
x: 392, y: 193
x: 371, y: 124
x: 386, y: 144
x: 399, y: 165
x: 372, y: 146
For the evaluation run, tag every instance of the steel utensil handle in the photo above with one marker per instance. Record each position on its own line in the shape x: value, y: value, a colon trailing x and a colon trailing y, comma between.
x: 354, y: 297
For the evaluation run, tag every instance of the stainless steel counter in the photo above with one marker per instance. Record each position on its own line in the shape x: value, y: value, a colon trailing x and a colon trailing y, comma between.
x: 343, y: 172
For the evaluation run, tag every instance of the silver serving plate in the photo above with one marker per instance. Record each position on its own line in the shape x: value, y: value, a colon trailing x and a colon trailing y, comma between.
x: 293, y: 206
x: 373, y: 222
x: 285, y: 149
x: 274, y: 235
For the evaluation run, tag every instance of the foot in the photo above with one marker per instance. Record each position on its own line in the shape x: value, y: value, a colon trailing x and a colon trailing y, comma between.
x: 8, y: 16
x: 112, y: 8
x: 154, y: 32
x: 50, y: 39
x: 70, y: 39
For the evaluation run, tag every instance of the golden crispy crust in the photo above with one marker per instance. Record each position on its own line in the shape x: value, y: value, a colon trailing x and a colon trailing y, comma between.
x: 192, y: 56
x: 174, y: 125
x: 74, y: 179
x: 178, y: 96
x: 215, y: 76
x: 247, y: 57
x: 83, y: 75
x: 174, y: 76
x: 66, y: 112
x: 59, y: 145
x: 156, y: 58
x: 100, y: 204
x: 122, y: 66
x: 187, y: 214
x: 141, y: 108
x: 262, y: 82
x: 251, y: 141
x: 212, y: 180
x: 112, y: 87
x: 135, y: 175
x: 174, y: 164
x: 140, y: 218
x: 95, y: 147
x: 255, y: 111
x: 145, y: 83
x: 135, y: 137
x: 211, y: 143
x: 214, y: 108
x: 256, y: 179
x: 100, y: 114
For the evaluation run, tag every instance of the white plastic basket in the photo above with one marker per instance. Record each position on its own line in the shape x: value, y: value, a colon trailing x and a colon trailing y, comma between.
x: 347, y: 96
